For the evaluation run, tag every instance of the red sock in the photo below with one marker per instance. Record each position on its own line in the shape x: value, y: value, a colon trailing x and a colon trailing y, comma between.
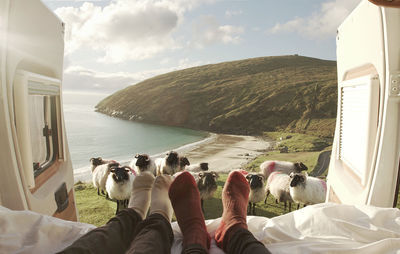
x: 235, y: 196
x: 185, y: 199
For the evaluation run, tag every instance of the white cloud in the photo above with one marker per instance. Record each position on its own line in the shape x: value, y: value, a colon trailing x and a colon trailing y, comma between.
x: 231, y: 13
x: 123, y: 30
x: 83, y: 79
x: 208, y: 31
x: 321, y: 24
x: 78, y: 78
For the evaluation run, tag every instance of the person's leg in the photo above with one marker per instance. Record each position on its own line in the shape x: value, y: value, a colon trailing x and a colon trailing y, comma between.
x: 243, y: 241
x: 232, y: 235
x: 185, y: 199
x: 116, y: 236
x: 154, y: 234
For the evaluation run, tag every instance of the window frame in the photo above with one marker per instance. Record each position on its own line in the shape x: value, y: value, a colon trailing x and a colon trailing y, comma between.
x: 25, y: 84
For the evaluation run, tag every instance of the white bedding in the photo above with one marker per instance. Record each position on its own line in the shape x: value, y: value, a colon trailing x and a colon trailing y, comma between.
x: 322, y: 228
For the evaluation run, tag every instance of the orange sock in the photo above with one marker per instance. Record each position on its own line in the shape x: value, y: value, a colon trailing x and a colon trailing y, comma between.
x: 235, y: 196
x: 185, y: 199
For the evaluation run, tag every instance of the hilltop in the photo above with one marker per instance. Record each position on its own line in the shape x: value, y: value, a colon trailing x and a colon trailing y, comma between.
x: 292, y: 93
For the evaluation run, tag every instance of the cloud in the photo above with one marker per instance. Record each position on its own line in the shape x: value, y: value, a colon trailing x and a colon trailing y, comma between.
x: 123, y: 30
x: 321, y: 24
x: 78, y: 78
x: 73, y: 1
x: 208, y: 31
x: 231, y: 13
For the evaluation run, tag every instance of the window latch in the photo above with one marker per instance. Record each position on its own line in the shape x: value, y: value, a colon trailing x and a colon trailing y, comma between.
x: 47, y: 131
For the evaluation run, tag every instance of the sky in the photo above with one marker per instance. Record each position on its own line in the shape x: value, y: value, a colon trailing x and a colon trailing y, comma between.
x: 112, y: 44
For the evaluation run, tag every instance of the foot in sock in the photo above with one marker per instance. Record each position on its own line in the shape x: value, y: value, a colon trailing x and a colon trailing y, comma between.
x: 160, y: 202
x: 141, y: 190
x: 185, y: 199
x: 235, y: 196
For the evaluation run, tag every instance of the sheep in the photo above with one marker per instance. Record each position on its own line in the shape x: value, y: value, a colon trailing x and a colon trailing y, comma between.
x: 97, y: 162
x: 257, y: 191
x: 119, y: 185
x: 207, y: 185
x: 183, y: 162
x: 171, y: 164
x: 307, y: 189
x: 267, y: 167
x: 197, y: 167
x: 278, y: 186
x: 143, y: 162
x: 99, y: 176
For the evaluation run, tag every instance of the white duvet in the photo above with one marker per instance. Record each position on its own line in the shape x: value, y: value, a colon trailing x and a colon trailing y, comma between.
x: 322, y: 228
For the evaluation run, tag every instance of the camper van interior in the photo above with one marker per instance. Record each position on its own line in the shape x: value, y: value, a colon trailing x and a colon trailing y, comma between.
x: 36, y: 183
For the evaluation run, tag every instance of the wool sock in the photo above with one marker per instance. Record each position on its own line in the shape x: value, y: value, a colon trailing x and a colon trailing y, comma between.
x: 140, y: 196
x: 160, y: 202
x: 185, y: 199
x: 235, y: 196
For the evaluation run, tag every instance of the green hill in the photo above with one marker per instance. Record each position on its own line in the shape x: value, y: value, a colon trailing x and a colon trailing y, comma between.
x: 292, y: 93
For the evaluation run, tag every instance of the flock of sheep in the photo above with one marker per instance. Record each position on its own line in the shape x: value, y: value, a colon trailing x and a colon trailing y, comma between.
x: 284, y: 180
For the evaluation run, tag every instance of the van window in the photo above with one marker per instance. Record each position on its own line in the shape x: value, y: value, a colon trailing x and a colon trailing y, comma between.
x: 38, y: 118
x: 42, y: 122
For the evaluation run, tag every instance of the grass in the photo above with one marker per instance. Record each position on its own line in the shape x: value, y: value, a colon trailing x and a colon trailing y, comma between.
x: 308, y: 158
x: 93, y: 209
x: 297, y: 142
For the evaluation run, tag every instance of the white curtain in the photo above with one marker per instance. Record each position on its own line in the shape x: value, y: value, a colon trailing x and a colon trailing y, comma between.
x: 37, y: 123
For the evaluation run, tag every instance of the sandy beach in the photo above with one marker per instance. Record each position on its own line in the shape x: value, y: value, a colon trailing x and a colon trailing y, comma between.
x: 228, y: 152
x: 222, y: 152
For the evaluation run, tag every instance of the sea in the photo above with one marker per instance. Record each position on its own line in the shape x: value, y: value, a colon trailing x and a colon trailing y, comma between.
x: 92, y: 134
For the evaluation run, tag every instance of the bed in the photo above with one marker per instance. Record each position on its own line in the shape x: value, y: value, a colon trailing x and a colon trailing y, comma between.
x: 322, y: 228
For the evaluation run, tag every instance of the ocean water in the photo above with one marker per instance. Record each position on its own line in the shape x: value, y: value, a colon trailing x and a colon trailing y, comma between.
x: 91, y: 134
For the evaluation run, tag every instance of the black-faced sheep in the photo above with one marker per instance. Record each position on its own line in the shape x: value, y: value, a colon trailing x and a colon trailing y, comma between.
x: 207, y: 185
x: 143, y: 162
x: 257, y: 190
x: 278, y: 185
x: 99, y: 176
x: 197, y: 167
x: 307, y: 189
x: 267, y: 167
x: 97, y: 162
x: 119, y: 185
x: 183, y: 162
x: 169, y: 165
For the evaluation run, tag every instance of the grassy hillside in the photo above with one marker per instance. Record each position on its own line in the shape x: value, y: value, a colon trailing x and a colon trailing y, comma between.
x: 292, y: 93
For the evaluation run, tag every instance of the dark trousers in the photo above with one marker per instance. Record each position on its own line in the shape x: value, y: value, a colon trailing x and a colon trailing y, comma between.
x: 128, y: 233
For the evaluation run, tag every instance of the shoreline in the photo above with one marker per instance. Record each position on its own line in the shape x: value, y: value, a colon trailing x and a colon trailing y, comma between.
x: 223, y: 153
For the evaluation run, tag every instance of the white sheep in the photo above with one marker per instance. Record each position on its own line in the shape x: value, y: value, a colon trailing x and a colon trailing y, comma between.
x: 171, y: 164
x: 143, y: 162
x: 197, y: 167
x: 119, y: 185
x: 307, y: 189
x: 257, y: 190
x: 99, y: 177
x: 278, y: 185
x: 267, y: 167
